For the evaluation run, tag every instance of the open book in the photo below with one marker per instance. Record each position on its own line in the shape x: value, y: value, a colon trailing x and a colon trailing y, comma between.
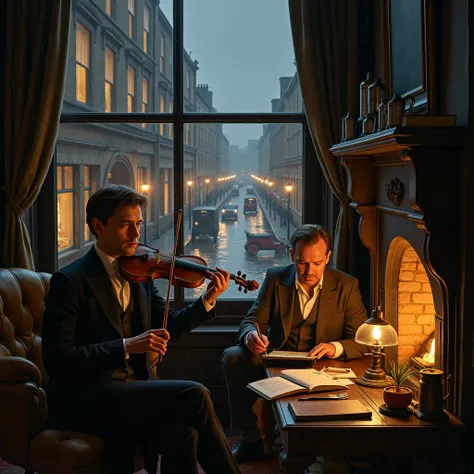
x: 293, y: 381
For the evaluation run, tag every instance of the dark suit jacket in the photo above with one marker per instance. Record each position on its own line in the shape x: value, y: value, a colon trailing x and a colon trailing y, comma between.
x: 340, y: 311
x: 83, y: 336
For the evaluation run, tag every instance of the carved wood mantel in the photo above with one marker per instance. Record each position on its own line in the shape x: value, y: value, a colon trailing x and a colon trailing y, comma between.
x: 405, y: 184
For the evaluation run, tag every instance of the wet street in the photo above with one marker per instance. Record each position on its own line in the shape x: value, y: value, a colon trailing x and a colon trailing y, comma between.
x: 229, y: 252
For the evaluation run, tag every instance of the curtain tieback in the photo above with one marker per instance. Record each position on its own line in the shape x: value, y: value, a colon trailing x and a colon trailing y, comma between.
x: 345, y: 202
x: 9, y: 201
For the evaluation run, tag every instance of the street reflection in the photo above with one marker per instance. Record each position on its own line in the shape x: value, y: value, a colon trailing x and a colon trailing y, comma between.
x: 229, y: 252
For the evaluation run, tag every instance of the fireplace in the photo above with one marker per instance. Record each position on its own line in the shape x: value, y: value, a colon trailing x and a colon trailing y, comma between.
x: 404, y: 184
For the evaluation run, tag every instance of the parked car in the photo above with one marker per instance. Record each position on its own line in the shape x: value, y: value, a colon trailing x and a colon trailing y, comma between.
x: 264, y: 241
x: 235, y: 190
x: 250, y: 190
x: 230, y: 211
x: 250, y: 205
x: 205, y: 222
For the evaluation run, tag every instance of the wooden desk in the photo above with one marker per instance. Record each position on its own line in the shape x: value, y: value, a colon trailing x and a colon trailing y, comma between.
x: 380, y: 436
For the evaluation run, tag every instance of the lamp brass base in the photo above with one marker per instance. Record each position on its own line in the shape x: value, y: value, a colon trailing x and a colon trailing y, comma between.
x: 369, y: 382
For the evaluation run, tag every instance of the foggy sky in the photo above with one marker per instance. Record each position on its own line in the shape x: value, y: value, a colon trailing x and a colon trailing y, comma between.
x: 243, y: 47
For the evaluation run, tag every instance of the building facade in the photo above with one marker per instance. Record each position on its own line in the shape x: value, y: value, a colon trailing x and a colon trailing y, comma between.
x: 121, y: 60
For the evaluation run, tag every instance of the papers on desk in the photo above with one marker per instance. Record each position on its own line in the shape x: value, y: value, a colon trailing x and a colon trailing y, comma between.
x: 338, y: 373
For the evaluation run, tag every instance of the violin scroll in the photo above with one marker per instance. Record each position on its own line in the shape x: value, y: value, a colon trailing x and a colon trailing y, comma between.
x: 248, y: 285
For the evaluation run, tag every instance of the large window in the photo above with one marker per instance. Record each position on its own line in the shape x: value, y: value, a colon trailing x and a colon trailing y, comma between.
x: 109, y: 7
x: 223, y: 127
x: 65, y: 190
x: 145, y: 90
x: 162, y: 53
x: 131, y: 89
x: 82, y: 63
x: 109, y: 80
x: 146, y: 29
x: 131, y: 19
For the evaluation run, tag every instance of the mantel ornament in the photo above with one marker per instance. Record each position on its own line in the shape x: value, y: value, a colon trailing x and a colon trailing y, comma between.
x: 394, y: 191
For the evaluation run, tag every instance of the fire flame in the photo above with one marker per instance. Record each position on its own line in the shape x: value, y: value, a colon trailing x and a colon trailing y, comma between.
x: 429, y: 357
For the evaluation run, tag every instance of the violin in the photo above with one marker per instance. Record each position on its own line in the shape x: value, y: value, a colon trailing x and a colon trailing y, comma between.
x: 189, y: 270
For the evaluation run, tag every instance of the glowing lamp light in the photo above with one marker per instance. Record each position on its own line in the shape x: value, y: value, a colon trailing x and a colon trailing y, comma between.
x: 376, y: 333
x: 145, y: 188
x: 190, y: 183
x: 288, y: 188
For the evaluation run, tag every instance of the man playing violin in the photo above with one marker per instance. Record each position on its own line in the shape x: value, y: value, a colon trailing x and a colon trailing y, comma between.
x: 100, y: 334
x: 301, y: 307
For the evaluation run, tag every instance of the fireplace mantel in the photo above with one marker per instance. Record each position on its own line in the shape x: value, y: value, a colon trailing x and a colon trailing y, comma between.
x: 405, y: 184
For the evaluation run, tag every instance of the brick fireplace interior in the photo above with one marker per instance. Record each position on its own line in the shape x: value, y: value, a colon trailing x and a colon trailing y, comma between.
x: 415, y: 309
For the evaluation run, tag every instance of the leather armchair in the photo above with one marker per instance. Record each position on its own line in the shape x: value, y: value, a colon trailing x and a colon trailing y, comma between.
x: 24, y: 441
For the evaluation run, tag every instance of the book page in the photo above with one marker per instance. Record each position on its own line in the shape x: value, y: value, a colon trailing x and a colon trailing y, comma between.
x: 293, y: 355
x: 275, y: 387
x: 312, y: 379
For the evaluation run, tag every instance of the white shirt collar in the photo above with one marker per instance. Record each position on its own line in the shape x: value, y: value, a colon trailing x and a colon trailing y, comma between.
x: 110, y: 263
x: 299, y: 286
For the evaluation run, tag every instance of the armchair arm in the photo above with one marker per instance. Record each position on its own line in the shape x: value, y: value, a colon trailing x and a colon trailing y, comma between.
x: 19, y: 369
x: 23, y: 408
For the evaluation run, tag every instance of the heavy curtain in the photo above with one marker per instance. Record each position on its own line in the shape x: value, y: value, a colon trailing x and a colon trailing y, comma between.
x: 36, y: 49
x: 325, y: 37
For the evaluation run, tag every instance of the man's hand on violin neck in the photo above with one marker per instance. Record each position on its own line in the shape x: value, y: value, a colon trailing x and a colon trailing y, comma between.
x: 153, y: 340
x: 218, y: 284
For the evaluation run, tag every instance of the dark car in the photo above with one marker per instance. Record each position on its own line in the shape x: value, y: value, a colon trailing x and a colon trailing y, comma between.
x: 230, y: 211
x: 250, y: 205
x: 235, y: 190
x: 205, y: 222
x: 250, y: 190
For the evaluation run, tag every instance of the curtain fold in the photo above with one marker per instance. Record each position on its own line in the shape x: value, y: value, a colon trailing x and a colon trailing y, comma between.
x: 325, y: 38
x: 36, y: 50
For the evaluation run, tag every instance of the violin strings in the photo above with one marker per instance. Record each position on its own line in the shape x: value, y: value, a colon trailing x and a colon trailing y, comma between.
x: 191, y: 265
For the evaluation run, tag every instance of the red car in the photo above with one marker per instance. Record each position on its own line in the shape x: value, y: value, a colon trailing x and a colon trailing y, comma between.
x: 250, y: 205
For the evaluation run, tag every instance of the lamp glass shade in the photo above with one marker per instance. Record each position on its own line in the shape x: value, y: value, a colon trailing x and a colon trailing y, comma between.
x: 288, y: 188
x: 383, y: 335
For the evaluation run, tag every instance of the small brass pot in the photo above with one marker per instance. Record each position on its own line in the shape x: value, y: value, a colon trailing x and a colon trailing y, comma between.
x: 397, y: 400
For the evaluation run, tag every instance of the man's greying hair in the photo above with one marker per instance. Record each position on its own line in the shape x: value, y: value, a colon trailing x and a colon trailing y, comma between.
x: 310, y: 234
x: 105, y: 201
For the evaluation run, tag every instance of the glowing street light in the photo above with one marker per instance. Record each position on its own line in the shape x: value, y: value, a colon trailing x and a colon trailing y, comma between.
x: 144, y: 189
x: 288, y: 189
x: 189, y: 183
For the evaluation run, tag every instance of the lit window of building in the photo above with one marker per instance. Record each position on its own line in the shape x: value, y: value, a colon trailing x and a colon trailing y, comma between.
x: 131, y: 18
x: 82, y: 63
x: 65, y: 211
x: 131, y: 89
x: 109, y: 79
x: 146, y: 30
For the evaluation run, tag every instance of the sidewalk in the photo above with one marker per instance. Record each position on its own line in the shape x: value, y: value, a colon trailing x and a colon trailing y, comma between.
x: 276, y: 221
x: 166, y: 241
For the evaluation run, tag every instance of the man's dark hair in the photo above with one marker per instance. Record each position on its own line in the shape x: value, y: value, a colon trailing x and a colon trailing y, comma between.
x: 309, y: 234
x: 105, y: 201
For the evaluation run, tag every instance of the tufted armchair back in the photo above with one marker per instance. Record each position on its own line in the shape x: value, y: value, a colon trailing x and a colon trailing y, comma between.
x: 22, y: 301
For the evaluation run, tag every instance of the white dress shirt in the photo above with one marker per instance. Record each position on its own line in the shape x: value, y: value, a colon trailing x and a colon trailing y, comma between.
x: 121, y: 286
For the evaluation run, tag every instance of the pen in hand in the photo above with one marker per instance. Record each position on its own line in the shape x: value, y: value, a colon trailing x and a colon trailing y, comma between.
x: 259, y: 334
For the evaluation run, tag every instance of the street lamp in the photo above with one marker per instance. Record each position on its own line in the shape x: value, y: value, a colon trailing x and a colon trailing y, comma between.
x: 207, y: 181
x: 190, y: 183
x: 288, y: 189
x: 270, y: 184
x: 144, y: 188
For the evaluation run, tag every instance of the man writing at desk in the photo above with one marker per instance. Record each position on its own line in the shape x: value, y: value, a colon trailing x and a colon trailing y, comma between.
x: 301, y: 307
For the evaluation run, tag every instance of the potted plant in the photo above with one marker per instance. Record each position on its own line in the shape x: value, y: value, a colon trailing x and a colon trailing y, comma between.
x: 398, y: 396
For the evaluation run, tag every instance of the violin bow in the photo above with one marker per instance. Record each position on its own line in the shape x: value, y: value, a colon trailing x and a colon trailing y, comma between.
x: 173, y: 260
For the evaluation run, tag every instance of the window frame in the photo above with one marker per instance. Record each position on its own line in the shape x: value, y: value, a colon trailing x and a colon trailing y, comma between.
x: 132, y: 21
x: 147, y: 32
x: 73, y: 191
x: 84, y: 66
x: 106, y: 82
x: 233, y: 309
